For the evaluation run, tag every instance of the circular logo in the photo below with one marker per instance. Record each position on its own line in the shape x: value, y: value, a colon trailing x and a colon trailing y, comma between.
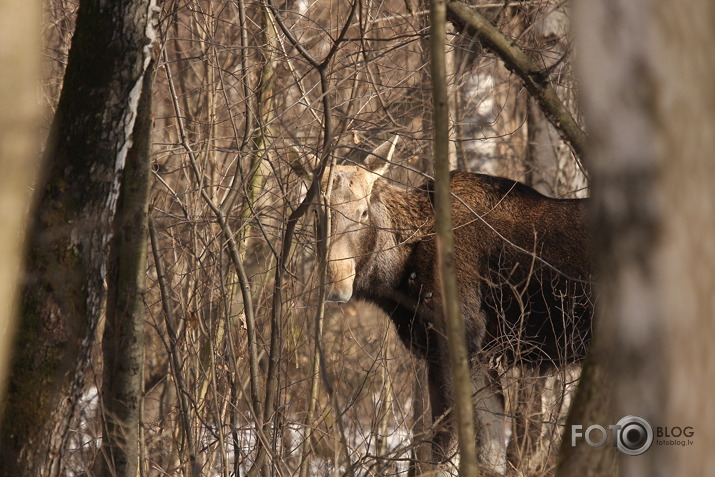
x: 634, y: 436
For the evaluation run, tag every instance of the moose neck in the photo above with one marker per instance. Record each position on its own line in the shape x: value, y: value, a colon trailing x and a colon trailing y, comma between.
x: 399, y: 218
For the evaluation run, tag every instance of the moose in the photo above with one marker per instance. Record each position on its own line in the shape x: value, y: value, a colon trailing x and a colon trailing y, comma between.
x: 523, y: 270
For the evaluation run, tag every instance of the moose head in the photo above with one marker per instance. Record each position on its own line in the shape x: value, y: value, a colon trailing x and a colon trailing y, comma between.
x: 354, y: 219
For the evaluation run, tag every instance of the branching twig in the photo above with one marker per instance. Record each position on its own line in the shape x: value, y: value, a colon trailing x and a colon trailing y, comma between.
x: 175, y: 360
x: 534, y: 78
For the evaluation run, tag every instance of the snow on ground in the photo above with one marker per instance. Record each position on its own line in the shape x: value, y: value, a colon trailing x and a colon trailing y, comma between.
x: 85, y: 441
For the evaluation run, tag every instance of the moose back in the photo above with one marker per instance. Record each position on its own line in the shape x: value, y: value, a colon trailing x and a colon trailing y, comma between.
x: 523, y: 269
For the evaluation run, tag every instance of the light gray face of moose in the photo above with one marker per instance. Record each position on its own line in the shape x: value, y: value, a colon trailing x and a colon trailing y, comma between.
x: 351, y: 226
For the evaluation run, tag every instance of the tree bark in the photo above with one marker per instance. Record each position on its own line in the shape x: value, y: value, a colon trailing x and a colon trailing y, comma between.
x: 592, y: 404
x: 650, y: 105
x: 421, y: 454
x: 458, y: 357
x: 90, y: 137
x: 551, y: 168
x: 123, y: 342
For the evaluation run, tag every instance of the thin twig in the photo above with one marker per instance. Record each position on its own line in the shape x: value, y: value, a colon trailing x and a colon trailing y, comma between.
x: 175, y: 357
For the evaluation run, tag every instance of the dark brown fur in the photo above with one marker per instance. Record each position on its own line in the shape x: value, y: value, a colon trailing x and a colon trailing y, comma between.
x: 522, y: 264
x: 523, y: 267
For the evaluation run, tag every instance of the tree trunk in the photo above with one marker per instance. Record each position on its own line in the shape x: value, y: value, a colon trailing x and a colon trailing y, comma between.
x: 650, y: 104
x: 19, y: 121
x: 542, y: 153
x: 592, y: 404
x: 458, y: 358
x: 62, y: 301
x: 123, y: 342
x: 421, y: 454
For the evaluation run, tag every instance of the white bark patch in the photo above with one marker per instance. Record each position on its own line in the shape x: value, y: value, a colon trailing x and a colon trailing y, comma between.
x: 133, y: 103
x: 96, y: 246
x: 128, y: 121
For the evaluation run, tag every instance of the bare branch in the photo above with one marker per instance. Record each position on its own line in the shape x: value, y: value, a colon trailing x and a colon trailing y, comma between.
x: 535, y: 80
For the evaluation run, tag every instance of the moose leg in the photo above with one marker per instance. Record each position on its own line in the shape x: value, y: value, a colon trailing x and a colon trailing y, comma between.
x: 444, y: 437
x: 489, y: 418
x: 444, y: 440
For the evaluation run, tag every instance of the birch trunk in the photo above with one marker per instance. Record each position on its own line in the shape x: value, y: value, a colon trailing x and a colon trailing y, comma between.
x: 123, y: 341
x: 62, y: 301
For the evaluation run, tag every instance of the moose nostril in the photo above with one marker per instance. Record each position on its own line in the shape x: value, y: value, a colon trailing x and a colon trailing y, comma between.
x: 339, y: 296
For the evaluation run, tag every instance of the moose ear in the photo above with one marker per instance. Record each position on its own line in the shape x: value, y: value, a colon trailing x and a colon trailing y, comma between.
x: 378, y: 161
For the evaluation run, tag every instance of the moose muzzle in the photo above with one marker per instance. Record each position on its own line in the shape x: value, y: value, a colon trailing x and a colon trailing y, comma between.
x: 341, y: 276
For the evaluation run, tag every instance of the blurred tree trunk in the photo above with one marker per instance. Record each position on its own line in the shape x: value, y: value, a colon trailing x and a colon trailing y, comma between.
x: 650, y: 104
x: 123, y: 341
x: 92, y: 133
x: 19, y: 121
